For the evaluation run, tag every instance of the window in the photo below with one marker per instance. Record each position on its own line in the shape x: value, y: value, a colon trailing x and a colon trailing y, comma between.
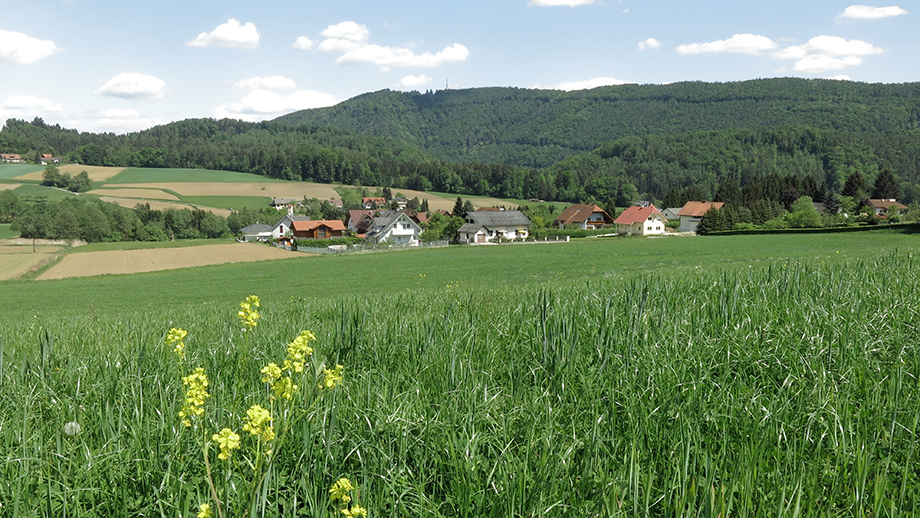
x: 321, y: 232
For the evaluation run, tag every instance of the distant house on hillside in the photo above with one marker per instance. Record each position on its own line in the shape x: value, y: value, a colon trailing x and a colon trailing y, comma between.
x: 286, y: 225
x: 692, y: 212
x: 320, y: 229
x: 641, y: 221
x: 11, y: 158
x: 395, y: 227
x: 587, y: 217
x: 283, y: 203
x: 261, y: 233
x: 373, y: 202
x: 483, y: 227
x: 883, y: 205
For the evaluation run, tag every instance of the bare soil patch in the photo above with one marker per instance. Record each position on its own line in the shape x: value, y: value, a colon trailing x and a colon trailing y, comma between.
x: 152, y: 194
x: 96, y: 173
x: 17, y: 260
x: 162, y: 205
x: 274, y: 190
x: 83, y: 264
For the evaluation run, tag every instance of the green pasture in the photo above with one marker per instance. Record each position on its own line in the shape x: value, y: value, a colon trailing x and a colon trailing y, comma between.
x: 152, y: 175
x: 8, y: 171
x: 40, y: 190
x: 229, y: 202
x: 5, y: 231
x: 640, y: 378
x: 474, y: 267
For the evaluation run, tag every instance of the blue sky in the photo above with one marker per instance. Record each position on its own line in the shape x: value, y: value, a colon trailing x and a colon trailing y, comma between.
x: 120, y: 66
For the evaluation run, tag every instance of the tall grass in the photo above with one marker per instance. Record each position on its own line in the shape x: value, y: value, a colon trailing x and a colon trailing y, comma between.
x: 789, y: 390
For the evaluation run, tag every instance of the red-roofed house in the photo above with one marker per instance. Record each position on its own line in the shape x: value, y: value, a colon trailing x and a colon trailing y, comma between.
x: 321, y: 229
x: 692, y: 212
x: 587, y: 217
x: 374, y: 202
x: 641, y: 221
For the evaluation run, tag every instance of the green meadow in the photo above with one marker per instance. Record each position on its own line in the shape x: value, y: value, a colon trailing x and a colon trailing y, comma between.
x: 229, y: 202
x: 717, y: 376
x: 151, y: 175
x: 8, y: 171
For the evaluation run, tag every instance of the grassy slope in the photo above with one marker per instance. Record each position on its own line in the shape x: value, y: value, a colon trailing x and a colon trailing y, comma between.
x: 149, y: 175
x: 492, y: 267
x: 229, y: 202
x: 8, y: 171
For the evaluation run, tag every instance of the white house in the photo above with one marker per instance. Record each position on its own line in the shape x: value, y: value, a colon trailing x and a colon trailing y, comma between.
x: 395, y: 227
x: 286, y: 225
x: 257, y: 232
x: 587, y: 217
x: 486, y: 226
x: 641, y: 221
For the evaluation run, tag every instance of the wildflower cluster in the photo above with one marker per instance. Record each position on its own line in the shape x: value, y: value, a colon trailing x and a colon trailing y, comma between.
x: 332, y: 377
x: 282, y: 386
x: 228, y: 441
x: 249, y: 312
x: 204, y: 511
x: 298, y: 350
x: 195, y: 395
x: 175, y: 338
x: 341, y: 492
x: 259, y: 422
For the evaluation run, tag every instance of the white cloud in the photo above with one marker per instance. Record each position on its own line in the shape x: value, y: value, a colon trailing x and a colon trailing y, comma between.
x: 339, y: 45
x: 826, y: 53
x: 865, y: 12
x: 590, y: 83
x: 231, y: 35
x: 19, y: 106
x: 265, y: 83
x: 414, y: 81
x: 262, y: 104
x: 742, y: 43
x: 303, y: 43
x: 347, y: 31
x: 399, y: 57
x: 840, y: 77
x: 553, y: 3
x: 134, y: 86
x: 19, y: 48
x: 650, y: 43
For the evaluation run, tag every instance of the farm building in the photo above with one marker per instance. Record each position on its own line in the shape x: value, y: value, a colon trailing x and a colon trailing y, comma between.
x: 483, y: 227
x: 641, y: 221
x: 692, y: 212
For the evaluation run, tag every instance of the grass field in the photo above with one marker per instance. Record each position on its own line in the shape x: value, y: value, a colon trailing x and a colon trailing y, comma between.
x: 149, y: 175
x: 723, y: 376
x: 230, y: 202
x: 6, y: 232
x: 40, y: 190
x: 9, y: 171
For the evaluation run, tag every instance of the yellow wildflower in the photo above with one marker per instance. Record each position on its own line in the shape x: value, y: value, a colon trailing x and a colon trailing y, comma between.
x: 298, y: 350
x: 284, y: 387
x: 259, y: 422
x: 176, y: 338
x: 271, y: 373
x: 228, y: 441
x: 341, y: 490
x: 204, y: 511
x: 356, y: 511
x: 249, y: 312
x: 195, y: 395
x: 332, y: 377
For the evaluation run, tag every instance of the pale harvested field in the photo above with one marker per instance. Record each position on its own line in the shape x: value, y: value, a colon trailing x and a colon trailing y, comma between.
x: 272, y: 190
x: 27, y: 249
x: 96, y: 173
x: 14, y: 264
x: 84, y: 264
x: 162, y: 205
x: 437, y: 202
x: 9, y: 186
x: 152, y: 194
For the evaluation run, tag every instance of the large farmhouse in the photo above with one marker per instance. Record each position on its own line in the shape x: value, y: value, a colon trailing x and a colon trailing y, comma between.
x: 486, y: 226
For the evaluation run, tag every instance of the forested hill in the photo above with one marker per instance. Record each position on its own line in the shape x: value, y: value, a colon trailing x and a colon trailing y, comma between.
x: 536, y: 128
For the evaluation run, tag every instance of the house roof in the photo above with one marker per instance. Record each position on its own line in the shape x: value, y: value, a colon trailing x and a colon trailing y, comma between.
x: 884, y: 203
x: 498, y: 219
x: 386, y: 219
x: 469, y: 228
x: 636, y: 213
x: 283, y: 201
x: 357, y: 215
x: 256, y: 229
x: 306, y: 226
x: 379, y: 200
x: 696, y: 209
x: 579, y: 213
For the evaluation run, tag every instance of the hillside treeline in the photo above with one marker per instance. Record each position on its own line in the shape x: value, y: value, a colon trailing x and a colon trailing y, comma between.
x: 536, y: 128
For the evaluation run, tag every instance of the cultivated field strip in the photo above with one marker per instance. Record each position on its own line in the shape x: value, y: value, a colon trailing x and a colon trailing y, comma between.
x: 85, y: 264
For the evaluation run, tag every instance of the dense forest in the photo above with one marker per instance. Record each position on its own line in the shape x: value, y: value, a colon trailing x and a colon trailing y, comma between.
x: 536, y: 128
x: 610, y: 146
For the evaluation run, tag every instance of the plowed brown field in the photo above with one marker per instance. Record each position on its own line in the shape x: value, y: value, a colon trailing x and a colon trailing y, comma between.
x: 84, y: 264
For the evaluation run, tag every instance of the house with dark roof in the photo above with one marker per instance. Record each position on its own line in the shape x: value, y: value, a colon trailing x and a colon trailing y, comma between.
x: 587, y: 217
x: 484, y: 227
x: 692, y: 212
x: 641, y: 221
x: 257, y: 232
x: 319, y: 229
x: 283, y: 203
x: 883, y: 206
x: 394, y: 227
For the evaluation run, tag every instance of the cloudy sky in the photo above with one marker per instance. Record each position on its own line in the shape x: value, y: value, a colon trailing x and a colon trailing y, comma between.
x: 126, y: 65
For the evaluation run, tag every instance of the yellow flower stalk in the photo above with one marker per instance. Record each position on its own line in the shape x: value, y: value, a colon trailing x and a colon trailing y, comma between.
x: 228, y: 441
x: 195, y: 395
x: 332, y: 377
x: 175, y: 338
x: 204, y: 511
x: 356, y: 511
x: 298, y: 350
x: 249, y: 312
x: 259, y: 422
x: 341, y: 490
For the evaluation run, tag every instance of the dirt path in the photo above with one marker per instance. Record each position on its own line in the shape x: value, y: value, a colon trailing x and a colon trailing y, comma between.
x: 84, y: 264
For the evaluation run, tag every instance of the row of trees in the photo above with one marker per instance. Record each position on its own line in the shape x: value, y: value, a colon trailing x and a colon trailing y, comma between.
x: 97, y: 221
